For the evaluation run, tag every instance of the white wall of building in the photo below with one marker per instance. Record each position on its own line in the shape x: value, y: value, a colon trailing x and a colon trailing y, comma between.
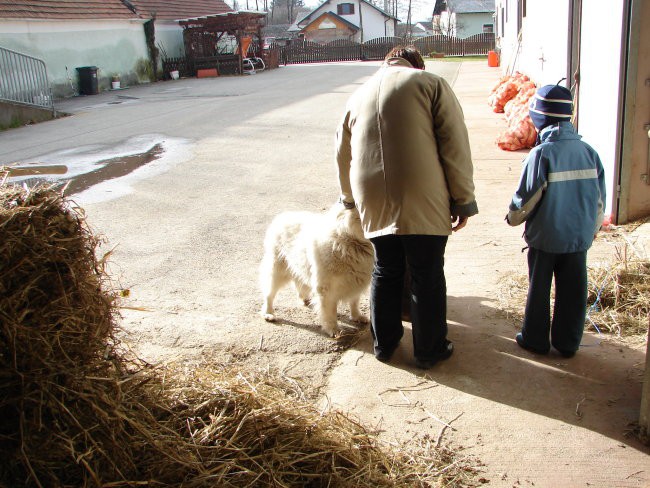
x: 112, y: 46
x: 542, y: 51
x: 169, y: 35
x: 376, y: 24
x: 472, y: 24
x: 543, y: 56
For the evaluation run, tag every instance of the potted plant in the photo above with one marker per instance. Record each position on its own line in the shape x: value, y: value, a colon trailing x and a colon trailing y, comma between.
x: 115, y: 82
x: 435, y: 54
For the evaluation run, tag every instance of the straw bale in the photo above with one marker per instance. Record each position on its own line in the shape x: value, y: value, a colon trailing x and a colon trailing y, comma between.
x: 77, y: 410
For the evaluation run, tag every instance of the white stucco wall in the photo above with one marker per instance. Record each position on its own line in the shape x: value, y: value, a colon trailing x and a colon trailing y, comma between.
x: 471, y: 24
x: 544, y: 57
x: 169, y: 35
x: 112, y: 46
x: 376, y: 24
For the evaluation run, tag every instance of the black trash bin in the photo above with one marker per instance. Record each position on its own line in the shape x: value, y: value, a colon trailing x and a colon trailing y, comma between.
x: 88, y: 82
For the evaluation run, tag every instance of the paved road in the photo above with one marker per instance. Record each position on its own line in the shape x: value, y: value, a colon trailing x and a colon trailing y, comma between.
x: 194, y: 109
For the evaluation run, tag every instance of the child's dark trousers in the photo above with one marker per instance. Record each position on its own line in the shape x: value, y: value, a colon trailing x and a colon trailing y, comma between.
x: 566, y: 327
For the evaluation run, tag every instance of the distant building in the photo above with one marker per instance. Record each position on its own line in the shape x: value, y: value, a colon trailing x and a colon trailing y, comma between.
x: 463, y: 18
x: 356, y: 20
x: 422, y: 29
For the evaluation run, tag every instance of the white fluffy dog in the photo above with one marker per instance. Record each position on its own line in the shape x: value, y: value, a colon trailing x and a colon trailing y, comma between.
x: 325, y: 255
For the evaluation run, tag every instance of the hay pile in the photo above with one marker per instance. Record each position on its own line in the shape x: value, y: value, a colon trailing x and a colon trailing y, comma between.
x: 618, y: 295
x: 74, y: 411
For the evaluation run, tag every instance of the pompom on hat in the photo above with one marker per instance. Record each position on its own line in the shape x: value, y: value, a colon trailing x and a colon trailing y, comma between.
x: 551, y: 104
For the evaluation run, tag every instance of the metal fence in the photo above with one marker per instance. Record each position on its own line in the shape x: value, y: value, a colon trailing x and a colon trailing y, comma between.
x: 23, y: 79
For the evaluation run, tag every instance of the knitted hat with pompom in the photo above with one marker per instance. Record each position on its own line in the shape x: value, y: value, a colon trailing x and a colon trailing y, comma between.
x: 551, y: 104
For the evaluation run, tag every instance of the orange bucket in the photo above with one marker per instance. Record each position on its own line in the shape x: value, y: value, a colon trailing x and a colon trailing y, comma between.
x: 493, y: 59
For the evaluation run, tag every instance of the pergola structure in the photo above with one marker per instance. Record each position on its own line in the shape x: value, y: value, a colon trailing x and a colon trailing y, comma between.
x: 202, y: 34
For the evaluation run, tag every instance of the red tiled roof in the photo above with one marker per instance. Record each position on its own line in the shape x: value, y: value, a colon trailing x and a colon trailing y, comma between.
x: 110, y: 9
x: 64, y: 9
x: 179, y: 9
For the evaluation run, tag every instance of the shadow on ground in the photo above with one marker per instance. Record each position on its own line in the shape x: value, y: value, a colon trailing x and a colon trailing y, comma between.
x: 599, y: 389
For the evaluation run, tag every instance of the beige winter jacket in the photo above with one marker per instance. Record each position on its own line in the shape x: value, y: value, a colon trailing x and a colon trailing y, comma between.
x: 403, y: 153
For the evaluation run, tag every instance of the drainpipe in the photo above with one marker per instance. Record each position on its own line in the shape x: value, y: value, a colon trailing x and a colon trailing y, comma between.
x: 361, y: 20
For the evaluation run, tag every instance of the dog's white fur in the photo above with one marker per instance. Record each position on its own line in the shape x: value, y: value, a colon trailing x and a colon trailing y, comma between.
x: 325, y: 255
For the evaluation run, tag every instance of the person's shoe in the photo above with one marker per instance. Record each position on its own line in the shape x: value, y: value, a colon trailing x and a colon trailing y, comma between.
x: 565, y: 353
x: 520, y: 340
x: 430, y: 363
x: 385, y: 355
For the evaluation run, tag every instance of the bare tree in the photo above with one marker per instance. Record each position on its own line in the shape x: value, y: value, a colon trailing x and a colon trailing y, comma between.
x: 447, y: 23
x: 285, y: 9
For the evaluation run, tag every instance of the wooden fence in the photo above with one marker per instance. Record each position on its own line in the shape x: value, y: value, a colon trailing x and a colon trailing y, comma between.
x: 298, y: 51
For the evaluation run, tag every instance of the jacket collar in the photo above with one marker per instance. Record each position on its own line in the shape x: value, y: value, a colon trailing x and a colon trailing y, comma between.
x: 559, y: 130
x: 398, y: 62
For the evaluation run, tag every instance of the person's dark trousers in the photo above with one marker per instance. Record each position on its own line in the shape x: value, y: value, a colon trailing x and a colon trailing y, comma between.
x: 424, y: 256
x: 567, y: 325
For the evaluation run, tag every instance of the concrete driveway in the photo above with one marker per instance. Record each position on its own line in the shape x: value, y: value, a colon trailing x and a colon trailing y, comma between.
x: 187, y: 230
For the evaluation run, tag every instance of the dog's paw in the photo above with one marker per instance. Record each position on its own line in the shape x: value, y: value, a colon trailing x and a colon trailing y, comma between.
x: 360, y: 319
x: 331, y: 330
x: 305, y: 301
x: 269, y: 317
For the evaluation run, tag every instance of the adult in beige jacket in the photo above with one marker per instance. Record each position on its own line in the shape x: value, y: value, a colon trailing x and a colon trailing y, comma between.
x: 404, y: 159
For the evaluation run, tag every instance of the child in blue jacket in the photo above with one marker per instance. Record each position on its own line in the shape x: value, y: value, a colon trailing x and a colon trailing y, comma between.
x: 561, y: 198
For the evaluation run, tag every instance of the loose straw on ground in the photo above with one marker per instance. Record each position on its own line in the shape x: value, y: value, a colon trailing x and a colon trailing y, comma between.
x: 618, y: 294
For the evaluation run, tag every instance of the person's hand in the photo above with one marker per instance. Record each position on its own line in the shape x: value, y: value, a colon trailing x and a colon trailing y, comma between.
x: 459, y: 222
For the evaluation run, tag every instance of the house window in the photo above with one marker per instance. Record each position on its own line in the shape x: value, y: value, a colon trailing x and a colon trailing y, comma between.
x: 345, y: 9
x: 488, y: 28
x: 327, y: 24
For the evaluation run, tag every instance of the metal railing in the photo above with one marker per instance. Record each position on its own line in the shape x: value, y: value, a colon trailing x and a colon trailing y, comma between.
x: 23, y: 79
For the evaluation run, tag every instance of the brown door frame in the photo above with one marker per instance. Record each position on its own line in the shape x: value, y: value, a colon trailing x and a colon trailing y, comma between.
x: 629, y: 69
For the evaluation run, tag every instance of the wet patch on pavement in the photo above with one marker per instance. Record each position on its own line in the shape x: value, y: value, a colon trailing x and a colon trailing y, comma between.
x: 99, y: 173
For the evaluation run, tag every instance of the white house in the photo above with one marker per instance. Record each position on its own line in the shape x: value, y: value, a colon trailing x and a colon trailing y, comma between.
x: 356, y: 20
x: 464, y: 18
x: 423, y: 29
x: 603, y: 52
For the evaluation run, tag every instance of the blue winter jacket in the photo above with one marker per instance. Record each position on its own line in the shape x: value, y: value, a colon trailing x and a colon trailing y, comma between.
x: 561, y: 192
